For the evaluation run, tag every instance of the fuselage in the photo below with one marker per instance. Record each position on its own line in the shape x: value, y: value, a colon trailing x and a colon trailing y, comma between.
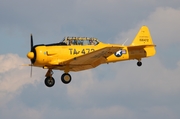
x: 46, y: 55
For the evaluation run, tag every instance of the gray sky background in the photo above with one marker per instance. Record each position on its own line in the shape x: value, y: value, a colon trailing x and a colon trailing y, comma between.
x: 118, y: 90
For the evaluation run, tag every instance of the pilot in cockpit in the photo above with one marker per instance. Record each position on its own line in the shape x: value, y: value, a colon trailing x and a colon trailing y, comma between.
x: 91, y: 42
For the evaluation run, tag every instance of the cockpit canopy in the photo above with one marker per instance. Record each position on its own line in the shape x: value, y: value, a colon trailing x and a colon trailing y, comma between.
x: 80, y: 41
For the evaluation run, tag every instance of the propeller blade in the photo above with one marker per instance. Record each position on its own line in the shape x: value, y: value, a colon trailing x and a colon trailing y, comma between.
x: 31, y: 71
x: 31, y: 41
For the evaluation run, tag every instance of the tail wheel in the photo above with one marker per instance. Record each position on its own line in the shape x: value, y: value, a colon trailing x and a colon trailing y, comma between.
x: 49, y: 81
x: 66, y: 78
x: 139, y: 63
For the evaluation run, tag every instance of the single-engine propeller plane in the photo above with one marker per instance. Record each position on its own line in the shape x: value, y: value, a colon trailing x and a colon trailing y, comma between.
x: 82, y: 53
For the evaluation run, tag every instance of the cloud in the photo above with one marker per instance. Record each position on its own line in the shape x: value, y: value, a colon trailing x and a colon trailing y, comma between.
x: 163, y: 24
x: 129, y: 90
x: 10, y: 62
x: 154, y: 79
x: 14, y: 76
x: 59, y: 18
x: 19, y: 111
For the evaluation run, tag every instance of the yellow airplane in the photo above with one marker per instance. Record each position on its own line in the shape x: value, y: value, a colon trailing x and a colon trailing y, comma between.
x: 82, y: 53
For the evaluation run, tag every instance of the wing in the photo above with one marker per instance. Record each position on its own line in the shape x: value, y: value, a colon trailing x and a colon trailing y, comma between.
x: 89, y: 60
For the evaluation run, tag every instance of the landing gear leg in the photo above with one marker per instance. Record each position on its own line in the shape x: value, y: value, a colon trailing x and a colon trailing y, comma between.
x: 49, y: 80
x: 139, y: 63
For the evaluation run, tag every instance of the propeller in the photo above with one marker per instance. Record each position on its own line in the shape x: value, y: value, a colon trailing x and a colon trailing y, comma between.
x: 31, y: 54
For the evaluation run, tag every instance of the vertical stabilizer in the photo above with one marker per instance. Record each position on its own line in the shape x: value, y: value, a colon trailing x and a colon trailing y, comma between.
x: 143, y: 37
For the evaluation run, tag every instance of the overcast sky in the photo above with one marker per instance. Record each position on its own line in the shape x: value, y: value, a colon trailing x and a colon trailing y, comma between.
x: 113, y: 91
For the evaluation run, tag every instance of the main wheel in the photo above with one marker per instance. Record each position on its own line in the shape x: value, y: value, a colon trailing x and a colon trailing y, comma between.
x: 49, y: 81
x: 66, y: 78
x: 139, y: 63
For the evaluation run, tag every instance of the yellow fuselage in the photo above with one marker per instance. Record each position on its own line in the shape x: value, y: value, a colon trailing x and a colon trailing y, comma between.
x: 55, y: 55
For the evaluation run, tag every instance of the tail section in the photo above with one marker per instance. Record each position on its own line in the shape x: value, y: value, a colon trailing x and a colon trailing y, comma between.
x: 142, y: 45
x: 143, y: 37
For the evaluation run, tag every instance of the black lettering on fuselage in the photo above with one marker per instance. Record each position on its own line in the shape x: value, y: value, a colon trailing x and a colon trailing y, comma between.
x: 74, y: 51
x: 83, y: 51
x: 70, y: 49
